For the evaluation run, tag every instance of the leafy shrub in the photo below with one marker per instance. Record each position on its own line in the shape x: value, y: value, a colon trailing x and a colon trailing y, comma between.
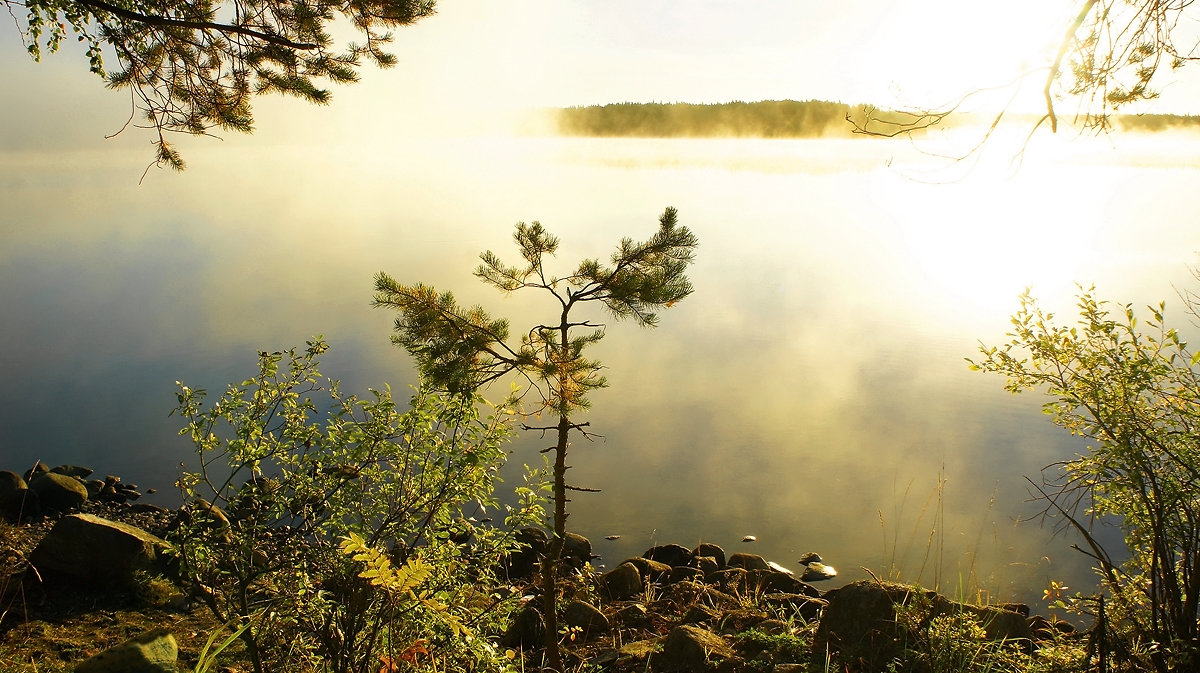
x: 1131, y: 387
x: 282, y: 482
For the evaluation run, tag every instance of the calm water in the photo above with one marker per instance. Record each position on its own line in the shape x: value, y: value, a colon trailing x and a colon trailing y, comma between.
x: 809, y: 393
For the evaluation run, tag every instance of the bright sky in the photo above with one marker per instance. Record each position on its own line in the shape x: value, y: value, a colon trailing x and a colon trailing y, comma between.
x: 476, y: 57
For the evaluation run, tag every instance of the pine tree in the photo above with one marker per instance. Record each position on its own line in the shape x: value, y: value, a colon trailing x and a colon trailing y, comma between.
x: 463, y: 349
x: 194, y: 65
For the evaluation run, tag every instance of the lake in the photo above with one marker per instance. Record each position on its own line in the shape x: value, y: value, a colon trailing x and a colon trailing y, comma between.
x: 812, y: 392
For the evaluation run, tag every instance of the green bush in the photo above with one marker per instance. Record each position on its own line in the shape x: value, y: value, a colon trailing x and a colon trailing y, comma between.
x: 282, y: 482
x: 1132, y: 387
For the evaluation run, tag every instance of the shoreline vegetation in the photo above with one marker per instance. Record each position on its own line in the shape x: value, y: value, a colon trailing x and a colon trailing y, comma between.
x: 780, y: 119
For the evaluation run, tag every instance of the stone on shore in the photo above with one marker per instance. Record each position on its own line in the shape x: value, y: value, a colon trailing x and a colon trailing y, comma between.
x: 58, y: 492
x: 91, y: 549
x: 690, y: 648
x: 152, y: 652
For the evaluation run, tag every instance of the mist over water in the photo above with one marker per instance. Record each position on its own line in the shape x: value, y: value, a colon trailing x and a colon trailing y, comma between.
x: 812, y: 392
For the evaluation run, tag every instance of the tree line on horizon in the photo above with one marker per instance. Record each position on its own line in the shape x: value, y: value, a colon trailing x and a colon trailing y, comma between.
x: 767, y: 119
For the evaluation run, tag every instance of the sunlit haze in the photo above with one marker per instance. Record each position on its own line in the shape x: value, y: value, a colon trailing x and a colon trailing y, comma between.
x: 810, y: 392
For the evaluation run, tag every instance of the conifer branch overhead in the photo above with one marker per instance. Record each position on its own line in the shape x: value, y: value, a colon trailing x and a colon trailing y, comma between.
x: 195, y: 65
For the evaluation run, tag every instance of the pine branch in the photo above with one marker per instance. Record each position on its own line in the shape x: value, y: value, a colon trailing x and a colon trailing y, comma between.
x: 162, y: 21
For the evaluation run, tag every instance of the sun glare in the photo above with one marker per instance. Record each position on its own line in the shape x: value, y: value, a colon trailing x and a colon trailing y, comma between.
x: 954, y: 48
x: 975, y: 245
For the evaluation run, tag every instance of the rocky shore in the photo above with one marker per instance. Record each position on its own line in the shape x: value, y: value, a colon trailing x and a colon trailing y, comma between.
x: 72, y: 540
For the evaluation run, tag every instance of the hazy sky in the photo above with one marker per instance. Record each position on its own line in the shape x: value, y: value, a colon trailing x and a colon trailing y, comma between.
x: 476, y: 58
x: 110, y: 291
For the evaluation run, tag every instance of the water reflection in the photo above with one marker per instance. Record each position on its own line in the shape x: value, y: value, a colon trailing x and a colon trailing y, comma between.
x: 811, y: 392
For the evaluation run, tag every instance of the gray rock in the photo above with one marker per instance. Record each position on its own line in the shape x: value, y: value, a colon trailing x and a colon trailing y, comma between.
x: 10, y: 483
x: 775, y: 581
x: 639, y: 650
x: 673, y: 555
x: 528, y: 629
x: 999, y: 623
x: 586, y: 617
x: 859, y: 624
x: 707, y: 564
x: 58, y: 492
x: 810, y: 557
x: 520, y: 563
x: 152, y: 652
x: 577, y: 550
x: 89, y: 548
x: 652, y: 571
x: 711, y: 550
x: 730, y: 580
x: 747, y: 561
x: 203, y: 511
x: 109, y: 493
x: 685, y: 574
x: 15, y: 500
x: 689, y: 648
x: 621, y: 582
x: 39, y: 468
x: 816, y: 571
x: 632, y: 615
x: 740, y: 619
x: 798, y: 605
x: 73, y: 471
x: 697, y: 614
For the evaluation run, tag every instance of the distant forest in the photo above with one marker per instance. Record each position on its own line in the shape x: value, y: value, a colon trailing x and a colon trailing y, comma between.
x: 764, y: 119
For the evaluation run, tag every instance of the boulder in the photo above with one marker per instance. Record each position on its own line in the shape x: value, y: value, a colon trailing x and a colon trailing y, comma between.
x: 39, y: 468
x: 621, y: 582
x: 203, y: 512
x: 860, y: 621
x: 89, y: 548
x: 673, y: 555
x: 73, y: 471
x: 859, y: 624
x: 730, y: 580
x: 998, y: 622
x: 711, y: 550
x: 698, y: 614
x: 639, y: 650
x: 747, y: 561
x: 816, y: 571
x: 58, y: 492
x: 692, y: 649
x: 577, y: 550
x: 152, y: 652
x: 586, y: 617
x: 528, y: 629
x: 740, y: 619
x: 685, y: 594
x: 532, y: 543
x: 685, y: 574
x: 799, y: 605
x: 707, y: 564
x: 15, y: 500
x: 652, y: 571
x: 775, y: 581
x: 632, y: 616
